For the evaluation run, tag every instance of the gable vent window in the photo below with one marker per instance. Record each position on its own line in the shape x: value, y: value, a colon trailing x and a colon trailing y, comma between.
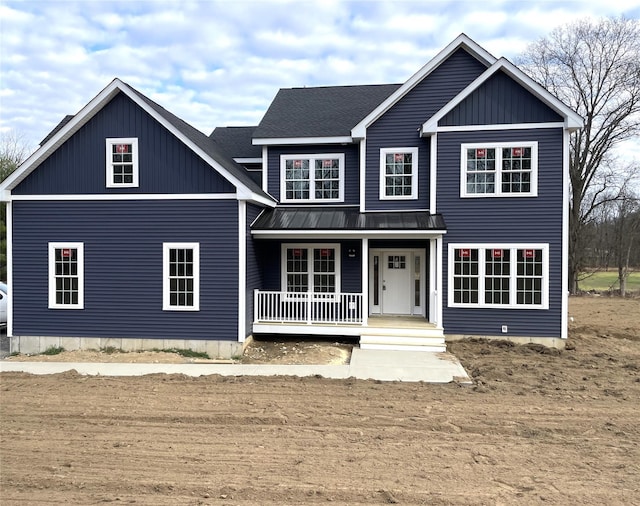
x: 122, y: 163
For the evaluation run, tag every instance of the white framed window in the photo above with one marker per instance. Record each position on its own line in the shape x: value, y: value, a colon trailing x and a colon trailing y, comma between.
x: 398, y: 173
x: 511, y: 276
x: 311, y: 268
x: 122, y: 162
x: 181, y: 276
x: 66, y: 275
x: 312, y: 178
x: 499, y: 169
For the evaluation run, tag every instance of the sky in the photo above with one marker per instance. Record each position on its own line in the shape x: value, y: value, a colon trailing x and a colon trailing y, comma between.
x: 220, y: 63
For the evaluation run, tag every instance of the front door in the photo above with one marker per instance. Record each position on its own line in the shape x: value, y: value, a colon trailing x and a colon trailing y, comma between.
x: 396, y: 282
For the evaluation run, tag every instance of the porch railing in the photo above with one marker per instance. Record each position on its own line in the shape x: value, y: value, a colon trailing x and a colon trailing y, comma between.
x: 307, y: 307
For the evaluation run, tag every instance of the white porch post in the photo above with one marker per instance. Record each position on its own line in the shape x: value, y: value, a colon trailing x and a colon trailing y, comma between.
x: 439, y: 288
x: 433, y: 282
x: 365, y: 282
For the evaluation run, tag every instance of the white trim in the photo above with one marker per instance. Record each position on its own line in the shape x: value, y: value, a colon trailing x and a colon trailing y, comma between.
x: 300, y: 141
x: 248, y: 160
x: 462, y: 41
x: 433, y: 174
x: 242, y: 270
x: 439, y: 287
x: 572, y: 119
x: 564, y: 277
x: 363, y: 175
x: 109, y: 142
x: 265, y: 169
x: 166, y: 302
x: 312, y: 157
x: 501, y: 126
x: 513, y: 275
x: 365, y: 280
x: 9, y: 217
x: 79, y: 247
x: 353, y: 234
x: 498, y: 169
x: 310, y: 272
x: 414, y: 173
x: 131, y: 196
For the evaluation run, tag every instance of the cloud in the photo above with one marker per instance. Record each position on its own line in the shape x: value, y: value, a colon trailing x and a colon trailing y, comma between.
x: 221, y: 62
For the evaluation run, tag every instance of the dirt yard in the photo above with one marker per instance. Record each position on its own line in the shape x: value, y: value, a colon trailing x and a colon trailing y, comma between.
x: 537, y: 427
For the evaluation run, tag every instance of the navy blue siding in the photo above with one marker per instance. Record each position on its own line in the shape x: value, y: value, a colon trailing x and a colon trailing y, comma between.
x: 500, y: 100
x: 351, y: 162
x: 254, y: 272
x: 504, y: 220
x: 123, y: 267
x: 399, y: 126
x: 166, y: 165
x: 351, y: 268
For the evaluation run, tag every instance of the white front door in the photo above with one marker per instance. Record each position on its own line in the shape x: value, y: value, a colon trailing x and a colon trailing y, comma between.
x: 396, y: 282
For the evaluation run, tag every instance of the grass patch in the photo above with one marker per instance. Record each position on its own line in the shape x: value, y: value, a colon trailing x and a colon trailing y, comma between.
x: 184, y: 352
x: 110, y: 350
x: 604, y: 281
x: 53, y: 350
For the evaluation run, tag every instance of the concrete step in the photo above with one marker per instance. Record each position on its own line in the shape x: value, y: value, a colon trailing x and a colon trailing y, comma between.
x: 402, y: 342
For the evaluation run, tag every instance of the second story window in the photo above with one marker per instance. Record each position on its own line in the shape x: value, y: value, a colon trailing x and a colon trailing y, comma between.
x: 499, y: 170
x: 312, y: 178
x: 122, y: 163
x: 399, y: 173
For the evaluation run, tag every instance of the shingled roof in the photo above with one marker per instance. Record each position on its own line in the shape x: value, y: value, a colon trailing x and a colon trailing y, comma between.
x: 320, y: 112
x: 237, y: 141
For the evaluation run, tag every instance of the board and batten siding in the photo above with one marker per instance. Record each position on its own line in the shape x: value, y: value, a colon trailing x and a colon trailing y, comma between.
x: 399, y: 127
x: 166, y: 165
x: 504, y: 220
x: 351, y: 162
x: 123, y: 247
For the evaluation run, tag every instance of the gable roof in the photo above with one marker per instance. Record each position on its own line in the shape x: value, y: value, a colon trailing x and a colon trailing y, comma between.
x: 327, y: 113
x: 572, y: 120
x: 236, y: 141
x: 461, y: 41
x: 198, y: 142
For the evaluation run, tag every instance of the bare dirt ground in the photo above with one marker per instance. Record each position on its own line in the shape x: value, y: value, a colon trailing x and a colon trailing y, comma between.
x: 537, y: 427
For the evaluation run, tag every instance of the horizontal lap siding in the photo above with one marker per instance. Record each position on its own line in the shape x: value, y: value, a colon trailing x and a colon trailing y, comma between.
x: 399, y: 127
x: 166, y: 165
x: 504, y: 220
x: 123, y: 268
x: 351, y: 161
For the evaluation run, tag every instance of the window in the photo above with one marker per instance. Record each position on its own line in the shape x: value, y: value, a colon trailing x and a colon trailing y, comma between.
x: 122, y: 163
x: 181, y: 277
x: 312, y: 178
x: 499, y: 170
x: 399, y: 173
x: 311, y: 268
x: 66, y: 275
x: 508, y: 276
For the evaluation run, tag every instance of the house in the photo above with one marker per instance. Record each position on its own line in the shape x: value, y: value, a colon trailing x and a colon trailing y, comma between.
x: 403, y: 215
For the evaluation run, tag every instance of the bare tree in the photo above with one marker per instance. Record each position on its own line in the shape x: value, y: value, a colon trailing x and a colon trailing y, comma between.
x: 594, y: 67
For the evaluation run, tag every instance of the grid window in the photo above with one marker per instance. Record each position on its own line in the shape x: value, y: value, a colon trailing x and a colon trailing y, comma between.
x: 529, y: 276
x: 497, y: 271
x: 465, y: 277
x: 500, y: 169
x: 398, y: 173
x: 66, y: 275
x: 122, y: 162
x: 506, y: 276
x: 311, y: 268
x: 181, y: 283
x: 313, y: 178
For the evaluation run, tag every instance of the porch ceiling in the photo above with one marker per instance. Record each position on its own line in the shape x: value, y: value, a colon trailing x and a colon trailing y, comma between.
x: 345, y: 220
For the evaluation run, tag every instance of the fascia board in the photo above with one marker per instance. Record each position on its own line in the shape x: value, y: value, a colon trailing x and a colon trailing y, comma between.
x: 301, y: 141
x: 462, y: 41
x: 572, y: 119
x: 81, y: 118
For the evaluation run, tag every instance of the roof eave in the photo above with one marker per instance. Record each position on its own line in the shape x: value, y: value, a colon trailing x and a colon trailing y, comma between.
x: 279, y: 141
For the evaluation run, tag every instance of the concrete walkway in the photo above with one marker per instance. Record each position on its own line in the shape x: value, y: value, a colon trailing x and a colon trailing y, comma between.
x: 365, y: 364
